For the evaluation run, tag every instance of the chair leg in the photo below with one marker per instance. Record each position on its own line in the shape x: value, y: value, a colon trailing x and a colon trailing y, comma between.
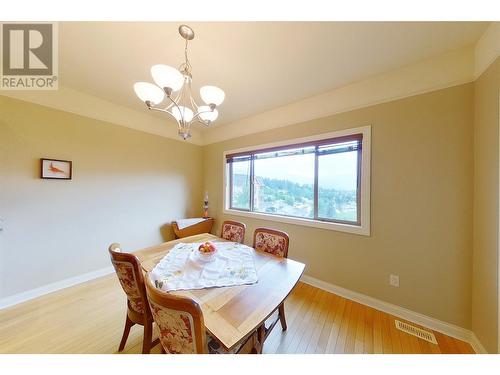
x: 148, y: 333
x: 281, y: 311
x: 126, y: 331
x: 256, y: 345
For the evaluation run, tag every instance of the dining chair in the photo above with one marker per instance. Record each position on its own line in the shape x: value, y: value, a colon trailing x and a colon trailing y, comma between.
x: 274, y: 242
x: 129, y: 272
x: 181, y: 325
x: 233, y: 231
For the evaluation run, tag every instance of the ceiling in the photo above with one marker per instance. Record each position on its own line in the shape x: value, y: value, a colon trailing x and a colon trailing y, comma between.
x: 260, y: 65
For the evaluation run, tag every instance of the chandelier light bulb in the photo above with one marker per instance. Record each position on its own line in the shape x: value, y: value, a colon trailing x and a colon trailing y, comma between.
x: 206, y: 114
x: 212, y: 95
x: 149, y: 92
x: 182, y: 113
x: 167, y: 76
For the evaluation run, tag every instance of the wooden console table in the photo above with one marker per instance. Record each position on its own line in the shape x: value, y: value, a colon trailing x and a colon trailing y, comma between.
x: 204, y: 226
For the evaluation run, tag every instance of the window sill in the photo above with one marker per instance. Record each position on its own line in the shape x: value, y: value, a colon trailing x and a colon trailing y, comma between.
x: 361, y: 230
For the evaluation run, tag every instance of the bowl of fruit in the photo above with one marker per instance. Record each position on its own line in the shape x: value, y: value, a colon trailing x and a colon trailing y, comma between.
x: 207, y: 251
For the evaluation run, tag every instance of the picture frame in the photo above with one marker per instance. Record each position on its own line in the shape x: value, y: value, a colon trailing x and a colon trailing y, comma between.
x: 56, y: 169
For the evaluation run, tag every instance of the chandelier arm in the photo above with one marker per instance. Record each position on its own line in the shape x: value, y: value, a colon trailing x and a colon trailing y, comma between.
x: 199, y: 113
x: 153, y: 108
x: 184, y: 92
x: 161, y: 110
x: 193, y: 103
x: 203, y: 122
x: 178, y: 97
x: 178, y: 108
x: 164, y: 111
x: 173, y: 101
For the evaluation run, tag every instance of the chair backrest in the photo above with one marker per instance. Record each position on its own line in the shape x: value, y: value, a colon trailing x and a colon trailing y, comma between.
x: 129, y: 272
x: 179, y: 320
x: 233, y: 231
x: 271, y: 241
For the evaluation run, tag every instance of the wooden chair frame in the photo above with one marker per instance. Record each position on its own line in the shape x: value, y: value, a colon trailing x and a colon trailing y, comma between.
x: 236, y: 223
x: 264, y: 332
x: 276, y: 232
x: 179, y: 303
x: 170, y: 301
x: 133, y: 317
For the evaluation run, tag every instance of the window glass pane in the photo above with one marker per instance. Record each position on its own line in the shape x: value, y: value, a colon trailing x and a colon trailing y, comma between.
x: 241, y: 185
x: 337, y: 186
x: 284, y: 185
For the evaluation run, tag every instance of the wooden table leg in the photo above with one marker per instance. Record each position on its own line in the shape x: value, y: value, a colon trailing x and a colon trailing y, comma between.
x: 258, y: 340
x: 261, y: 336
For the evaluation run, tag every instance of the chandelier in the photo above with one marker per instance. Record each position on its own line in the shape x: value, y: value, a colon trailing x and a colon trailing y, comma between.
x: 175, y: 84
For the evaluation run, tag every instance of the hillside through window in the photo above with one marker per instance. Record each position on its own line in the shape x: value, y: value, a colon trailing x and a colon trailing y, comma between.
x: 318, y: 180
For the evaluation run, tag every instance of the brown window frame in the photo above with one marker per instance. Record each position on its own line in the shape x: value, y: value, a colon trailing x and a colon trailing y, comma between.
x: 253, y: 155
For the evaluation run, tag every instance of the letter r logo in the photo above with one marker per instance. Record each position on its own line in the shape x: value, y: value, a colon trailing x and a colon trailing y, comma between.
x: 27, y: 49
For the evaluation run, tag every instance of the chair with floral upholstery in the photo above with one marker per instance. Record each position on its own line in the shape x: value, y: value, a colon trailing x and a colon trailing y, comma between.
x: 130, y: 275
x: 233, y: 231
x: 181, y: 325
x: 274, y: 242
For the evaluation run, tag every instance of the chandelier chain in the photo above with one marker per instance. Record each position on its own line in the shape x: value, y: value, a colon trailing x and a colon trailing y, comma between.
x: 186, y: 65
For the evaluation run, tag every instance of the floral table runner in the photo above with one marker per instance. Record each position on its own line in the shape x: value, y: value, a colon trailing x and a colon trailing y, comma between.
x: 183, y: 267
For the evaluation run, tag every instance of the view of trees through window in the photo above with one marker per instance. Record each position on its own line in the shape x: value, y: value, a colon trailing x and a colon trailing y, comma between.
x: 241, y: 185
x: 337, y: 186
x: 284, y: 182
x: 284, y: 185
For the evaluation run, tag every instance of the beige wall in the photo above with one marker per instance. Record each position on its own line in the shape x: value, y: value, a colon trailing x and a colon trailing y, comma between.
x: 485, y: 255
x: 126, y: 186
x: 421, y: 204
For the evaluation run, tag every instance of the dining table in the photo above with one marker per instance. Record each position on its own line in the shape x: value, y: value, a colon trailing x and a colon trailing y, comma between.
x: 234, y: 314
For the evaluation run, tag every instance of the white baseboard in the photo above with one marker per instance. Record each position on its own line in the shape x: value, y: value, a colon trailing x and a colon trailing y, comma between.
x: 49, y: 288
x: 401, y: 312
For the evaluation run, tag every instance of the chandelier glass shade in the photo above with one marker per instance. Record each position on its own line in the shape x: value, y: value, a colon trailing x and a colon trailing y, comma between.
x: 175, y: 85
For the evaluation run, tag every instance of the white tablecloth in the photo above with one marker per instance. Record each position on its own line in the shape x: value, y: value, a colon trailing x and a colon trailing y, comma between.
x: 182, y: 268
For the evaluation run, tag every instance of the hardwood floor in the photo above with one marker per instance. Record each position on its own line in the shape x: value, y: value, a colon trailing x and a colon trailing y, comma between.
x: 89, y: 318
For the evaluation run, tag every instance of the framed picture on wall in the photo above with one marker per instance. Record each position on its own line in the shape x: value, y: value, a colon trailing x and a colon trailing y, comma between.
x: 56, y: 169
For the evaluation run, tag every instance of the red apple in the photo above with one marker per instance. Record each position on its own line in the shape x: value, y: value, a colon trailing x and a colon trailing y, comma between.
x: 207, y: 247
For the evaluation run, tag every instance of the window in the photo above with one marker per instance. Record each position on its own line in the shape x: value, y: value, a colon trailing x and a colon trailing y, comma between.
x: 318, y: 181
x: 339, y: 175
